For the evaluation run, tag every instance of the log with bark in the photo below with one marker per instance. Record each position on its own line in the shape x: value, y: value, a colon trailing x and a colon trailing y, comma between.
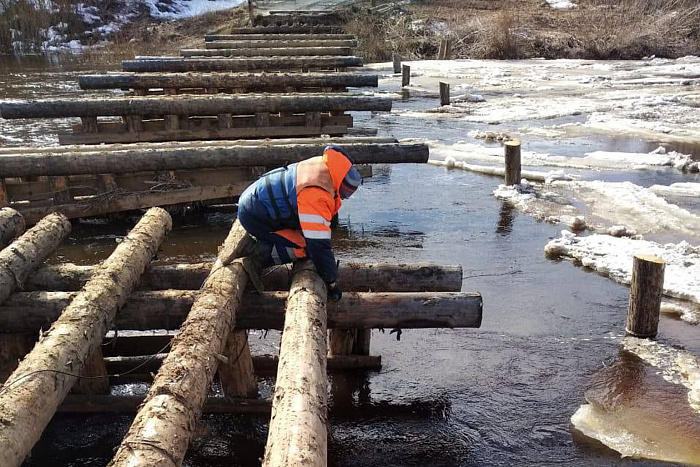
x: 257, y: 35
x: 144, y: 159
x: 296, y: 29
x: 27, y: 312
x: 12, y: 225
x: 34, y: 391
x: 26, y: 253
x: 167, y: 420
x: 299, y: 423
x: 272, y: 52
x: 251, y: 82
x: 355, y: 277
x: 280, y: 44
x: 240, y: 64
x: 247, y: 104
x: 294, y: 19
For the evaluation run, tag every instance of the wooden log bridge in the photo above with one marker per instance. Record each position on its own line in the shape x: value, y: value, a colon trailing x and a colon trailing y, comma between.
x: 271, y: 52
x: 299, y: 422
x: 27, y: 312
x: 192, y: 105
x: 176, y: 64
x: 36, y: 388
x: 251, y: 82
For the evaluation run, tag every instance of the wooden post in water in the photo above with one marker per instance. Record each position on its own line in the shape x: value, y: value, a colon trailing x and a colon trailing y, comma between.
x: 645, y: 296
x: 513, y: 175
x: 444, y: 93
x: 396, y: 59
x: 445, y: 49
x: 405, y: 75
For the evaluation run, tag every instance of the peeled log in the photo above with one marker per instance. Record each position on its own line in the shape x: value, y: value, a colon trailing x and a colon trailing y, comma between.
x: 246, y: 104
x: 272, y: 43
x: 356, y: 277
x: 11, y: 226
x: 27, y: 312
x: 251, y: 82
x: 173, y: 158
x: 272, y: 52
x: 28, y: 402
x: 26, y: 254
x: 166, y: 422
x: 240, y: 64
x: 298, y: 426
x: 255, y: 34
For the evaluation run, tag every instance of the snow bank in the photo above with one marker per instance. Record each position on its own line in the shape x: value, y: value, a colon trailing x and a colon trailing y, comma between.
x: 687, y: 190
x: 561, y: 4
x: 612, y: 257
x: 188, y: 8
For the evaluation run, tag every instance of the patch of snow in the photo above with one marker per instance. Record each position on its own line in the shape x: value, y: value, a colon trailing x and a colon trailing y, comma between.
x: 681, y: 189
x: 612, y: 257
x: 189, y: 8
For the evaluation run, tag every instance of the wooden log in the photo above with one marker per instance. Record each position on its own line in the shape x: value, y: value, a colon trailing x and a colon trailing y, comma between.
x: 405, y: 75
x: 512, y: 158
x: 27, y: 408
x: 444, y: 93
x: 298, y: 426
x: 396, y: 60
x: 297, y: 19
x: 247, y: 104
x: 240, y: 64
x: 12, y: 225
x: 236, y: 372
x: 271, y: 52
x: 356, y: 277
x: 146, y: 160
x: 131, y: 404
x: 445, y: 51
x: 274, y: 30
x: 94, y: 378
x: 4, y: 197
x: 196, y: 144
x: 645, y: 296
x: 165, y: 424
x: 133, y: 201
x: 276, y: 43
x: 250, y: 81
x: 27, y: 312
x: 26, y: 253
x: 257, y: 34
x: 13, y: 348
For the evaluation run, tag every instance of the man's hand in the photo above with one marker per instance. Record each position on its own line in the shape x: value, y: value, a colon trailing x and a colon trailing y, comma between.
x: 334, y: 292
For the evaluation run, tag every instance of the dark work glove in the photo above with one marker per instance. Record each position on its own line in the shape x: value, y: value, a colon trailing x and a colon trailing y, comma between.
x: 334, y: 292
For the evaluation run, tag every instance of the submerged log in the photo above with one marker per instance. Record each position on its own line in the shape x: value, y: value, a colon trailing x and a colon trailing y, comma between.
x: 272, y: 52
x: 131, y: 404
x: 247, y: 104
x: 12, y: 225
x: 298, y: 426
x: 27, y: 312
x: 272, y: 43
x: 42, y: 380
x: 356, y: 277
x: 26, y: 253
x: 250, y: 81
x: 261, y: 363
x: 166, y: 422
x: 257, y: 35
x: 240, y: 64
x: 146, y: 160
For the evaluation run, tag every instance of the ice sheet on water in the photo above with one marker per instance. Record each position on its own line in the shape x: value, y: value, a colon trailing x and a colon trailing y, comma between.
x: 613, y: 257
x: 686, y: 190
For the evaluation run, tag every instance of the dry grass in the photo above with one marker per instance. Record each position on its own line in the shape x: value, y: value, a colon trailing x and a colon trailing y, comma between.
x: 27, y: 21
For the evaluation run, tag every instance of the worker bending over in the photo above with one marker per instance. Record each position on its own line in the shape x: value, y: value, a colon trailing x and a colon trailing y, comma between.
x: 289, y: 211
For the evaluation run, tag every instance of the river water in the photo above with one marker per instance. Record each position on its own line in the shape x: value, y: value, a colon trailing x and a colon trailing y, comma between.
x: 503, y: 394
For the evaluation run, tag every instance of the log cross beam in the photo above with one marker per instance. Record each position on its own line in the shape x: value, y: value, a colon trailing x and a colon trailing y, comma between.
x: 164, y: 426
x: 42, y: 380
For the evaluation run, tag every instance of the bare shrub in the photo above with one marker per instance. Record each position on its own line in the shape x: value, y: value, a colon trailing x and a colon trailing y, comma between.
x: 27, y: 22
x: 496, y: 38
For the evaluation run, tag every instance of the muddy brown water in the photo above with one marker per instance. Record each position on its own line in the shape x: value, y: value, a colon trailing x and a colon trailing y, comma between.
x: 499, y: 395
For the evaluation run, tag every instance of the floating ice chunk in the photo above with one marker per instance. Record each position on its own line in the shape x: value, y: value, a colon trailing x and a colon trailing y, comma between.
x: 681, y: 189
x: 613, y: 257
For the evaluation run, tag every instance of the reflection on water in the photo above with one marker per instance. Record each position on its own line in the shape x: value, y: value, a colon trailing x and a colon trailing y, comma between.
x: 636, y: 412
x: 505, y: 219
